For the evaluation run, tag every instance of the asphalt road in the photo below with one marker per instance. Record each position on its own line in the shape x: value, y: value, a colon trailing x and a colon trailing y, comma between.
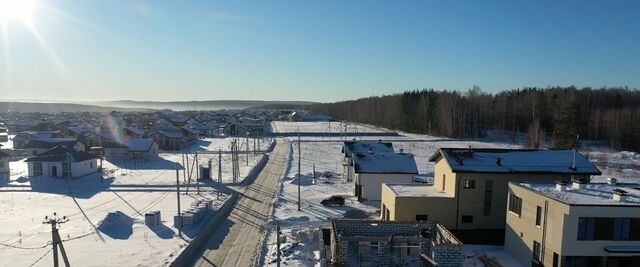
x: 237, y: 240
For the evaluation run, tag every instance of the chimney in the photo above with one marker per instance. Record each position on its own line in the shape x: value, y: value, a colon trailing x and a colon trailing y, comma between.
x: 619, y: 195
x: 612, y: 181
x: 498, y: 161
x: 370, y: 151
x: 561, y: 185
x: 579, y: 183
x: 402, y: 150
x: 573, y: 160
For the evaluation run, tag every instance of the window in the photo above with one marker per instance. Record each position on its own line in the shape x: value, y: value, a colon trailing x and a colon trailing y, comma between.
x: 515, y: 204
x: 467, y: 219
x: 538, y: 215
x: 1, y: 164
x: 488, y: 194
x: 586, y: 228
x: 66, y: 169
x: 469, y: 184
x: 384, y: 212
x: 536, y: 252
x: 590, y: 228
x: 444, y: 182
x: 422, y: 217
x: 37, y: 169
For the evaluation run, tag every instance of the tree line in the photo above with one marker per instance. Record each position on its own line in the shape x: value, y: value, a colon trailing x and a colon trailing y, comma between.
x: 562, y: 115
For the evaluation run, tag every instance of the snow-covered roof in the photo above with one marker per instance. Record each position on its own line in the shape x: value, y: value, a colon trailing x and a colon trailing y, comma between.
x: 487, y: 160
x: 366, y: 146
x: 76, y: 130
x: 384, y: 163
x: 417, y: 190
x: 171, y: 134
x: 591, y: 194
x: 51, y: 142
x: 62, y: 154
x: 139, y: 145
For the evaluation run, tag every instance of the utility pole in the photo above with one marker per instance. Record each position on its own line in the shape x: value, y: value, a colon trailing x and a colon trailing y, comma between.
x: 254, y: 145
x: 55, y: 238
x: 246, y: 140
x: 314, y: 173
x: 278, y: 243
x: 178, y: 193
x: 219, y: 171
x: 299, y: 176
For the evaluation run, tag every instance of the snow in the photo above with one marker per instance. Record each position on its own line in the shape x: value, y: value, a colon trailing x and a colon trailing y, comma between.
x: 591, y: 194
x: 106, y: 215
x: 417, y: 190
x: 321, y: 127
x: 472, y: 255
x: 554, y: 161
x: 390, y: 163
x: 366, y: 146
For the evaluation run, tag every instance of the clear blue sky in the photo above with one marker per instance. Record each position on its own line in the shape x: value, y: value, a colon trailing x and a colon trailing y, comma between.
x: 312, y: 50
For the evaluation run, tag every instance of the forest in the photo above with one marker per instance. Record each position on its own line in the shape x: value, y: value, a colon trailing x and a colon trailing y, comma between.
x: 556, y: 116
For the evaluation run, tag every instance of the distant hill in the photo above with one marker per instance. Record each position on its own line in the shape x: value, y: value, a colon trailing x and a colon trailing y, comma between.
x: 59, y: 107
x: 198, y: 105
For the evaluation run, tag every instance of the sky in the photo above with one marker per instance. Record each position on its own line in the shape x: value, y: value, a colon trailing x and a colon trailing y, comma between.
x: 95, y: 50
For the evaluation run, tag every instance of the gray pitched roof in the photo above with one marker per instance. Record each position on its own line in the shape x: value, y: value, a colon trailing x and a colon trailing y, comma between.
x: 350, y: 147
x: 384, y: 163
x: 62, y: 154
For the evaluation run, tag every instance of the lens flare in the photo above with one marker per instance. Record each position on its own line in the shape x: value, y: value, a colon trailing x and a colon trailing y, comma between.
x: 16, y: 10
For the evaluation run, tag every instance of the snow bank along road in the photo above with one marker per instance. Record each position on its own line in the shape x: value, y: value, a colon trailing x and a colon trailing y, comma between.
x: 237, y: 240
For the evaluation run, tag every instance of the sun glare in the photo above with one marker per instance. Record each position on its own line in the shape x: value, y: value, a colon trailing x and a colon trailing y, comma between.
x: 16, y: 10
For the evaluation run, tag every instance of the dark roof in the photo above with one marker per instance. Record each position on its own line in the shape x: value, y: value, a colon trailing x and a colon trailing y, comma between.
x: 384, y: 163
x: 489, y: 160
x: 350, y: 147
x: 51, y: 142
x: 62, y: 154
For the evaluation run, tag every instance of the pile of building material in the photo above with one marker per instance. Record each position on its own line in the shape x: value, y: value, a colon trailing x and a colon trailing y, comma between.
x: 194, y: 215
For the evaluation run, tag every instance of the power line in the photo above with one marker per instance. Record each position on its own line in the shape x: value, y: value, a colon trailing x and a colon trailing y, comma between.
x: 41, y: 257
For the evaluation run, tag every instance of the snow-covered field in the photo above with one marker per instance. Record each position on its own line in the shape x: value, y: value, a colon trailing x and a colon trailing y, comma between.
x: 321, y: 127
x: 106, y: 215
x: 301, y: 227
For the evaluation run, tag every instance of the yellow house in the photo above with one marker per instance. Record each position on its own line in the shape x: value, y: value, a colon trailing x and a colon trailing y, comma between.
x: 578, y: 224
x: 469, y: 191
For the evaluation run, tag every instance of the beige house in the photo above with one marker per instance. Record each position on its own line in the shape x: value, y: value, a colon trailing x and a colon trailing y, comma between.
x: 469, y: 191
x: 576, y: 224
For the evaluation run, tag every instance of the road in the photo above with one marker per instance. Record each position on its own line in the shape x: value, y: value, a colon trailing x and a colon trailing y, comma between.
x: 237, y: 241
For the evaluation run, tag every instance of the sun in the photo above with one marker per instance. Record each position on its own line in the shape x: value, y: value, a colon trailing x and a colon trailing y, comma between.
x: 16, y: 10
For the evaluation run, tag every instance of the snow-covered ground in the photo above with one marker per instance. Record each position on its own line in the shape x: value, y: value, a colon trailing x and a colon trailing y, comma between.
x: 301, y: 227
x: 474, y: 255
x: 106, y: 215
x: 321, y: 127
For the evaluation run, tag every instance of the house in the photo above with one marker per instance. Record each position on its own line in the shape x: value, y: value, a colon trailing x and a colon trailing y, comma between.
x: 469, y: 191
x: 37, y: 146
x: 350, y: 147
x: 168, y: 140
x: 22, y: 138
x: 373, y: 169
x: 384, y: 243
x: 62, y: 162
x: 5, y: 169
x: 573, y: 224
x: 235, y: 129
x: 301, y: 116
x: 132, y: 132
x: 131, y: 148
x: 190, y: 134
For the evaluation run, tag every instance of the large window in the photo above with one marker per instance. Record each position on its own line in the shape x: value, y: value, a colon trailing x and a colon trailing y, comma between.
x: 515, y: 204
x: 37, y: 169
x: 467, y: 219
x: 488, y: 194
x: 422, y: 217
x: 538, y: 215
x: 601, y: 228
